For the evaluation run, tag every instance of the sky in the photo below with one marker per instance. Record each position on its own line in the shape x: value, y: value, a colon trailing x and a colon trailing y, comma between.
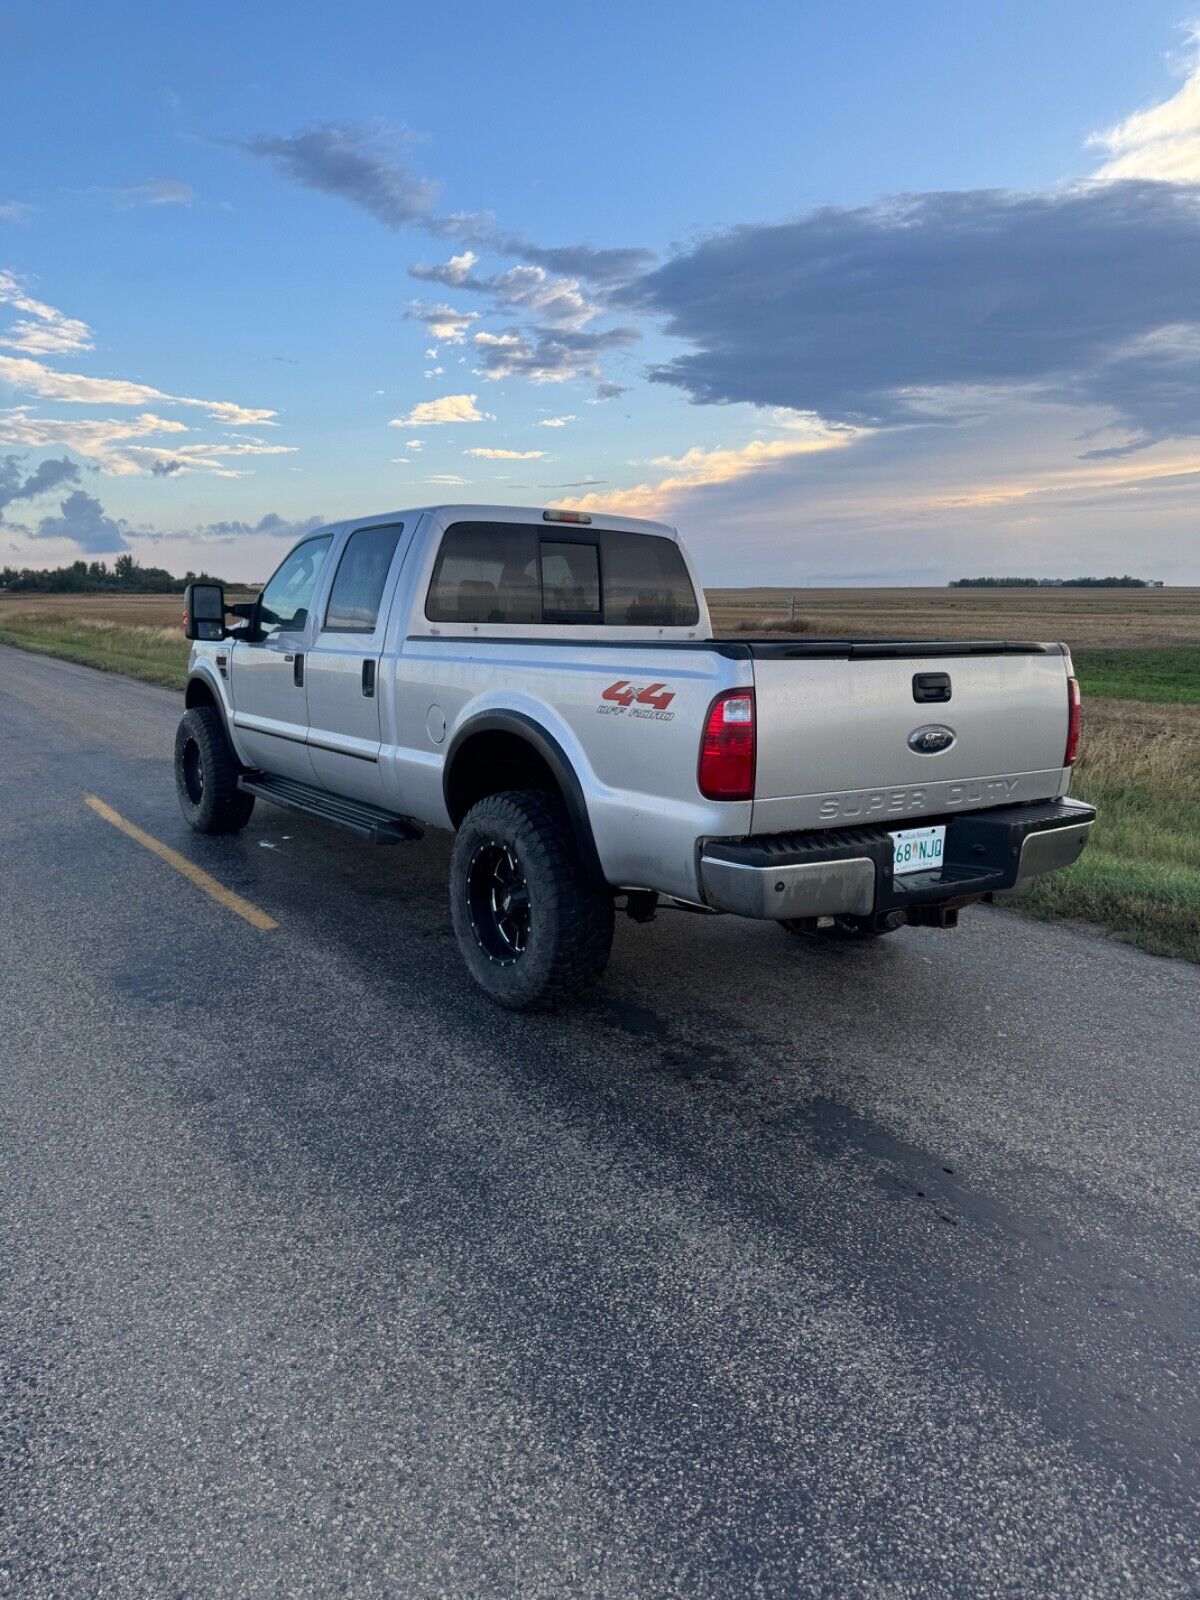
x: 874, y: 295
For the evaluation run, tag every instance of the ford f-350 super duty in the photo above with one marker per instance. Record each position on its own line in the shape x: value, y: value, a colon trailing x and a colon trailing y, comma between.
x: 547, y: 684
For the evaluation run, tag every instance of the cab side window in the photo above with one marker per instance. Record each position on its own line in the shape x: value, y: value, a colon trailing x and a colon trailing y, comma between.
x: 486, y: 572
x: 361, y: 575
x: 284, y: 603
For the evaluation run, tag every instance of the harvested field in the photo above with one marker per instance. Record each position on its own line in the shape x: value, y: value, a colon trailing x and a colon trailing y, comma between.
x: 145, y: 610
x: 1082, y: 618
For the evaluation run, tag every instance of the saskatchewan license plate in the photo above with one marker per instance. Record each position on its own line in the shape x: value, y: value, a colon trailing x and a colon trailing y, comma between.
x: 918, y: 849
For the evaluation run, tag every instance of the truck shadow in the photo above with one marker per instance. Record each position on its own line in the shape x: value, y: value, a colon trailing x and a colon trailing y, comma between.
x: 698, y: 1146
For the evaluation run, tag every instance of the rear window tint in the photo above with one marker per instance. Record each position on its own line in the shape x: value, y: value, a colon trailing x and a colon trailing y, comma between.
x: 486, y: 572
x: 497, y: 572
x: 570, y: 582
x: 646, y: 583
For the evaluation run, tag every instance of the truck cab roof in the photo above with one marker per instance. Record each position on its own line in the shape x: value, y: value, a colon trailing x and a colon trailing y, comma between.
x: 546, y: 516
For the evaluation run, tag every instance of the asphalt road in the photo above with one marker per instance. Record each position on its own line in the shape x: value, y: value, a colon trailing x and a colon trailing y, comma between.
x: 770, y: 1270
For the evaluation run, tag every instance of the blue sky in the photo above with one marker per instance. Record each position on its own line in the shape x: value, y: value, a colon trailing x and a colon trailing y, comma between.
x: 882, y: 295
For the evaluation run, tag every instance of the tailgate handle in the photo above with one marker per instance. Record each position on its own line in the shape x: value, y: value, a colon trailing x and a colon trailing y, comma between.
x: 931, y: 688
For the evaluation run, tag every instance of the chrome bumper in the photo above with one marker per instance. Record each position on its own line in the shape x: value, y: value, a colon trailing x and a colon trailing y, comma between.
x: 848, y: 872
x: 795, y: 889
x: 1053, y: 848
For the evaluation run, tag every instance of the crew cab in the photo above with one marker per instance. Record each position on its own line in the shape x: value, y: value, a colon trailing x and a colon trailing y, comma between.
x: 547, y: 684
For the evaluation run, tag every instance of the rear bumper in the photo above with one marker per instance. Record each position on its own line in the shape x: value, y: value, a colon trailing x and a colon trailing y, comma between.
x: 848, y: 871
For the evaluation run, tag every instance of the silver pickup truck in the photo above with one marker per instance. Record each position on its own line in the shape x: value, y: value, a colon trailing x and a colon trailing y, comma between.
x: 547, y: 685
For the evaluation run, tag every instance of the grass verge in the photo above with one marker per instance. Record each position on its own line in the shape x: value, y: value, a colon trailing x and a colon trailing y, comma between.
x: 1140, y: 875
x: 151, y: 654
x: 1170, y: 676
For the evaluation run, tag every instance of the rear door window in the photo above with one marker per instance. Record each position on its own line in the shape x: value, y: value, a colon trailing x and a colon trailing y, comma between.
x: 361, y: 576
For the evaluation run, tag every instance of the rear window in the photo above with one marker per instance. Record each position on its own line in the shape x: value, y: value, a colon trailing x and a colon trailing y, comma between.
x: 646, y: 583
x: 498, y: 572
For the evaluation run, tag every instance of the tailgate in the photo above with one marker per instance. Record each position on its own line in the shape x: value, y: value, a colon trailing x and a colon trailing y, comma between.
x: 840, y: 735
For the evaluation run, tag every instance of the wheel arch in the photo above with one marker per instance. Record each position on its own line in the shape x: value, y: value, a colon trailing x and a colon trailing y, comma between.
x: 204, y: 689
x: 498, y: 750
x: 200, y: 692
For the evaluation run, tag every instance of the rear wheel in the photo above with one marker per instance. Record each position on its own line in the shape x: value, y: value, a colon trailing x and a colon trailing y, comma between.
x: 532, y: 928
x: 206, y: 774
x: 841, y: 930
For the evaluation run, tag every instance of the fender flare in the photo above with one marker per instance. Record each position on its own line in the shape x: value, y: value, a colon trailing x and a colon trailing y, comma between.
x: 208, y: 678
x: 552, y: 753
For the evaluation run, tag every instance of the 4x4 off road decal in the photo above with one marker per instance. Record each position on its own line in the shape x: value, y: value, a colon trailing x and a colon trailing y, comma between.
x: 650, y: 701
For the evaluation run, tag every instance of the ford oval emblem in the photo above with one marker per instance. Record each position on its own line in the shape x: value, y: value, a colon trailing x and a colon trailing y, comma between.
x: 931, y: 740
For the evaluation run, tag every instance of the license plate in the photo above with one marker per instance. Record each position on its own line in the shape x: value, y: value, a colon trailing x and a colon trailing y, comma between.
x: 918, y: 850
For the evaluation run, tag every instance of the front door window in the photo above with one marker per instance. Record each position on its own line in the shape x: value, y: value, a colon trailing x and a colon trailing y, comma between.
x: 285, y: 602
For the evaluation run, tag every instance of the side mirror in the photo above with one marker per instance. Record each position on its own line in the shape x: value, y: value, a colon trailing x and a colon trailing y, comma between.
x: 204, y: 611
x: 248, y: 629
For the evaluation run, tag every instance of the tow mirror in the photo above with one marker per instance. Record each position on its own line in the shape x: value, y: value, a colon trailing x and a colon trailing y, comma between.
x: 204, y: 616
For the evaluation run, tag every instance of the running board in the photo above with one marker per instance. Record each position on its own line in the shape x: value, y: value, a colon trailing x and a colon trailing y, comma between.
x: 370, y: 822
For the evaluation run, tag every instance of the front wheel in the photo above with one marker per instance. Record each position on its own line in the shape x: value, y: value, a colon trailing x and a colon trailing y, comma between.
x: 206, y: 774
x: 532, y: 928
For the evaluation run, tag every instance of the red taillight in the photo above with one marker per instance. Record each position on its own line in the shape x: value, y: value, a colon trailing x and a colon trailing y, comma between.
x: 727, y: 748
x: 1073, y: 722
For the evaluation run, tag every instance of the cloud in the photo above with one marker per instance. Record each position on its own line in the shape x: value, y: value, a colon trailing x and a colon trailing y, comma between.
x: 43, y: 330
x: 115, y: 443
x: 507, y: 455
x: 34, y: 377
x: 82, y: 521
x: 547, y: 355
x: 555, y: 422
x: 453, y: 273
x: 272, y: 524
x: 15, y: 211
x: 557, y: 302
x: 338, y: 159
x: 600, y: 266
x: 610, y: 391
x: 858, y: 314
x: 355, y: 165
x: 211, y: 458
x: 443, y: 322
x: 698, y: 468
x: 445, y: 478
x: 154, y: 192
x: 1162, y: 142
x: 15, y: 484
x: 449, y: 408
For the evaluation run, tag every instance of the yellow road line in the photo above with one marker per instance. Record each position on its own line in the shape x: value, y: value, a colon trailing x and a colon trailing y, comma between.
x: 194, y: 874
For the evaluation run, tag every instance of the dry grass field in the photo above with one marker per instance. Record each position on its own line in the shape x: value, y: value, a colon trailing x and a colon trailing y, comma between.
x: 137, y: 610
x: 1082, y: 618
x: 139, y: 635
x: 1137, y: 653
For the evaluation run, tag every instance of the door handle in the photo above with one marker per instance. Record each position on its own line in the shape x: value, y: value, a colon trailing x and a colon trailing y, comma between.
x: 368, y: 679
x: 297, y: 670
x: 931, y: 688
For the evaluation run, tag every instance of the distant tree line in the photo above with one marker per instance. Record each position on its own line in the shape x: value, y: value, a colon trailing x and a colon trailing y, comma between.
x: 1054, y: 583
x: 125, y: 576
